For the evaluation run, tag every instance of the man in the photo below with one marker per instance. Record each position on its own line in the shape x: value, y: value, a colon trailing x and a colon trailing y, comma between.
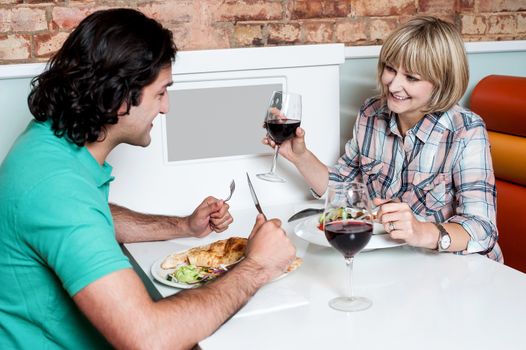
x: 65, y: 282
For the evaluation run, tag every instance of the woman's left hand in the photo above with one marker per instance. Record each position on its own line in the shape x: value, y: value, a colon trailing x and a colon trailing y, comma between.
x: 400, y: 222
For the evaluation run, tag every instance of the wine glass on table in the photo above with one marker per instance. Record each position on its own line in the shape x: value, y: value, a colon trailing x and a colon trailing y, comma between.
x: 348, y: 227
x: 282, y: 118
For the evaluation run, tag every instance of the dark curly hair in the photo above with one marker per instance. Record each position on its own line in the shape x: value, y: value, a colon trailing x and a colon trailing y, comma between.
x: 105, y: 62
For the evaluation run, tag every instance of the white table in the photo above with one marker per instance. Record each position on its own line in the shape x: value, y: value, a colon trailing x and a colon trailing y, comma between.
x: 421, y: 300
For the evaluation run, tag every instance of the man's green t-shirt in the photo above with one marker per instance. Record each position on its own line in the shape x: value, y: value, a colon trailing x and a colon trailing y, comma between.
x: 56, y: 237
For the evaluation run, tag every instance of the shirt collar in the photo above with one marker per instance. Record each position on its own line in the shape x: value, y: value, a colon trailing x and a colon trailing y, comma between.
x: 390, y: 118
x: 393, y: 124
x: 426, y: 127
x: 101, y: 174
x: 439, y: 121
x: 433, y: 125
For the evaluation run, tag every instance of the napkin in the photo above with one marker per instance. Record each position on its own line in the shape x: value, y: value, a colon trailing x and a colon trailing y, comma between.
x: 269, y: 299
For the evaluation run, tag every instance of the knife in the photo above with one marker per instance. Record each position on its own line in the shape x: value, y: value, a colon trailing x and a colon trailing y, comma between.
x: 304, y: 213
x: 254, y: 197
x: 312, y: 211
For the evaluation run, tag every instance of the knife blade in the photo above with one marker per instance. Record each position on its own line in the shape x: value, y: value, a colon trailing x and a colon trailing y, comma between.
x: 305, y: 213
x: 313, y: 211
x: 255, y: 197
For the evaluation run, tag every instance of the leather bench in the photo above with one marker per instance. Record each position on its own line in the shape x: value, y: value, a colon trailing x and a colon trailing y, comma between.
x: 501, y: 102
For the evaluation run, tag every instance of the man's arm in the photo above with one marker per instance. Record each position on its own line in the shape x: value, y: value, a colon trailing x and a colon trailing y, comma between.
x: 121, y: 309
x: 131, y: 226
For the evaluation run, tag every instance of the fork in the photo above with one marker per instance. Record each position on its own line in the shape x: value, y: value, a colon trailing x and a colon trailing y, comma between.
x: 232, y: 188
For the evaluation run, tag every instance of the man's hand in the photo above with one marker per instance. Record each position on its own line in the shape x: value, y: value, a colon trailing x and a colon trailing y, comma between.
x: 211, y: 215
x: 269, y: 247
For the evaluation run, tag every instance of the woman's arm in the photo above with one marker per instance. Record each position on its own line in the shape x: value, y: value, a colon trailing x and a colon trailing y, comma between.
x: 475, y: 191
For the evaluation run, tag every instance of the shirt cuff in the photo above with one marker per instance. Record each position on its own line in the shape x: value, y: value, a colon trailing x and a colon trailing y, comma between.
x: 482, y: 237
x: 317, y: 196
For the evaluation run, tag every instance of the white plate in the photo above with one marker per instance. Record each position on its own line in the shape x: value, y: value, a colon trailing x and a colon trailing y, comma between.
x: 159, y: 274
x: 309, y: 231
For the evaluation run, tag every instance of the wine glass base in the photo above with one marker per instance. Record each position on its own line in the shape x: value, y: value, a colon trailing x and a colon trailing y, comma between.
x: 350, y: 304
x: 272, y: 177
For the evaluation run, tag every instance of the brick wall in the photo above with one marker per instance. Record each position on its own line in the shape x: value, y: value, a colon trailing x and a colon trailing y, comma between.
x: 31, y: 30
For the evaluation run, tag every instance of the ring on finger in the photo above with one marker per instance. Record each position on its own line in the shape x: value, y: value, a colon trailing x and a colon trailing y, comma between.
x: 391, y: 226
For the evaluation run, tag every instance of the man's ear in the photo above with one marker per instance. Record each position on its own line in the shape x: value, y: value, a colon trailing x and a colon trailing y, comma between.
x: 123, y: 109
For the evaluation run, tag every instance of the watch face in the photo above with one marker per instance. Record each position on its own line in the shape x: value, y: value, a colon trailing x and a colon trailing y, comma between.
x: 445, y: 242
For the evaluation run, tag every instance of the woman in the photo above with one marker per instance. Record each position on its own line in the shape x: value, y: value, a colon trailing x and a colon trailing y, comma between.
x: 425, y: 160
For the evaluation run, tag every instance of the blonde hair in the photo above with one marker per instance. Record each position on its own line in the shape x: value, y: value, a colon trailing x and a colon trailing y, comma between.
x: 433, y: 49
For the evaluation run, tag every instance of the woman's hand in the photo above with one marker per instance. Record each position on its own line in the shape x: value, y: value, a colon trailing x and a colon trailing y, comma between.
x: 400, y: 222
x: 311, y: 168
x: 292, y: 149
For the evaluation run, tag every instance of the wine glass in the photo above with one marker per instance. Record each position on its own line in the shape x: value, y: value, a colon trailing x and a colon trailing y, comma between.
x: 282, y: 119
x: 348, y: 227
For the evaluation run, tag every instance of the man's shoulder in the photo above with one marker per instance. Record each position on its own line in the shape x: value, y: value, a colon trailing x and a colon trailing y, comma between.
x: 38, y: 142
x: 29, y: 175
x: 38, y: 151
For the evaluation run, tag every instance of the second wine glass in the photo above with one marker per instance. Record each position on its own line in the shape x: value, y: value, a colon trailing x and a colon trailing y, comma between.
x: 348, y: 227
x: 282, y: 119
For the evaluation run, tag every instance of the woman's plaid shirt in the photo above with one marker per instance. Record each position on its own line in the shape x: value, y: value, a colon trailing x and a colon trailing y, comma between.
x: 442, y: 168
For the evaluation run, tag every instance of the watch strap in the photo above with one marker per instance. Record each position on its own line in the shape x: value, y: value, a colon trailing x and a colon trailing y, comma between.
x: 442, y: 233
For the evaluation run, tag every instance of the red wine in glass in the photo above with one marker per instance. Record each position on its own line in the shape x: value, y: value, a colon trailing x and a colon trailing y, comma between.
x: 282, y: 129
x: 282, y: 118
x: 348, y: 237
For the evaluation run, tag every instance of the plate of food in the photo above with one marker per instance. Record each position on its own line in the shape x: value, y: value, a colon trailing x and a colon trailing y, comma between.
x: 194, y: 267
x: 311, y: 230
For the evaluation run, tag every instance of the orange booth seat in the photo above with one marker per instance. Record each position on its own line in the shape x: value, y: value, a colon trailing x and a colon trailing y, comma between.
x: 501, y: 102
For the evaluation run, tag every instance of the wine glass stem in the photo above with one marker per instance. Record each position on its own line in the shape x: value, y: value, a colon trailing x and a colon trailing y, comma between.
x: 275, y: 159
x: 349, y: 262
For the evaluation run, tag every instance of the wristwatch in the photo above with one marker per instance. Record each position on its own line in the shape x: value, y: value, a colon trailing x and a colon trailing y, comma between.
x: 444, y: 239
